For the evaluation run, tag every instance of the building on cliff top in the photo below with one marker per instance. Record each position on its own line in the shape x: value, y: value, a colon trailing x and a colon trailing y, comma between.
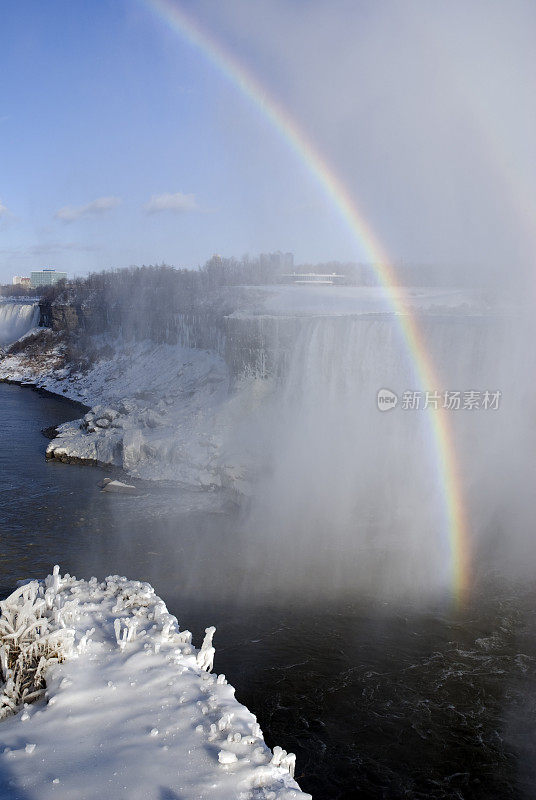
x: 46, y: 277
x: 314, y: 278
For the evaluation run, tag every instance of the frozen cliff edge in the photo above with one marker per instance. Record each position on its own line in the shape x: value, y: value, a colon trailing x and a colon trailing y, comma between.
x: 131, y: 708
x: 156, y: 408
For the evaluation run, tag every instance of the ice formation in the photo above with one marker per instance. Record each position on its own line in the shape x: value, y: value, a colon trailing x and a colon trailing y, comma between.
x: 130, y: 708
x: 31, y: 640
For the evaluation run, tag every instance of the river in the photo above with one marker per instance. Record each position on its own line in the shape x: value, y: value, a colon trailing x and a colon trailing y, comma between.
x: 376, y: 701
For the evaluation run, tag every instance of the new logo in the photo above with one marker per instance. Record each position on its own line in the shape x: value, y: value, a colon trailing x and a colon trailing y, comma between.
x: 386, y: 399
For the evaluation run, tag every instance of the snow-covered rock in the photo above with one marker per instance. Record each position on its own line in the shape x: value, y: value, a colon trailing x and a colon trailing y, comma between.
x: 134, y: 710
x: 151, y: 408
x: 118, y: 486
x: 127, y: 406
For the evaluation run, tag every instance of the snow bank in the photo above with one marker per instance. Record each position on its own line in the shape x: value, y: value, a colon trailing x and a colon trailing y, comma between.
x: 133, y: 709
x: 153, y: 408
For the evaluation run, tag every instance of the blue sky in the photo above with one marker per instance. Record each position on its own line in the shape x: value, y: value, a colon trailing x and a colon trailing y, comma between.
x: 121, y: 144
x: 103, y: 103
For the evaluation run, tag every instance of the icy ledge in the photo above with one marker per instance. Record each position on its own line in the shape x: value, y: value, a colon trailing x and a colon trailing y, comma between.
x: 133, y: 710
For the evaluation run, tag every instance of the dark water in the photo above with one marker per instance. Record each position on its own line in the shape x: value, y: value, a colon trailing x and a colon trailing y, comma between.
x: 376, y: 701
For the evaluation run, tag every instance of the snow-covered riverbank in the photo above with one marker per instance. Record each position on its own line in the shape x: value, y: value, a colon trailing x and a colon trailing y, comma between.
x: 156, y: 408
x: 133, y: 711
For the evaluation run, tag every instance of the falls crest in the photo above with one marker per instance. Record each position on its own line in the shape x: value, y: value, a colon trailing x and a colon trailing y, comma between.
x: 16, y: 319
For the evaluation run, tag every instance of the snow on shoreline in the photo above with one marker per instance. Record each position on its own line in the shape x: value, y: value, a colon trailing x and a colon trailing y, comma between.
x: 133, y: 711
x: 155, y: 408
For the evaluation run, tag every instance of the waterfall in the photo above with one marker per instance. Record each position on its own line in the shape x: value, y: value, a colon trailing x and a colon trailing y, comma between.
x: 350, y: 497
x: 16, y: 319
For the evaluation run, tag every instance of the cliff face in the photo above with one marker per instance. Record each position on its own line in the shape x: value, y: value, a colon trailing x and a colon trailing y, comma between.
x: 254, y: 328
x: 73, y: 317
x: 252, y: 344
x: 208, y: 324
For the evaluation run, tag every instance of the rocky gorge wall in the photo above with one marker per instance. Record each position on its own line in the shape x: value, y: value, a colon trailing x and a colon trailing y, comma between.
x: 254, y: 329
x: 256, y: 345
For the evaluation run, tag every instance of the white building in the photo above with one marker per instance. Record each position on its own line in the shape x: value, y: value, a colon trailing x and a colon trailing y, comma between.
x: 46, y: 277
x: 330, y: 279
x: 20, y: 280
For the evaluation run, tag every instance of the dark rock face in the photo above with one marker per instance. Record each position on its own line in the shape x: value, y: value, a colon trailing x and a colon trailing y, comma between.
x: 58, y: 317
x: 50, y: 432
x: 72, y: 317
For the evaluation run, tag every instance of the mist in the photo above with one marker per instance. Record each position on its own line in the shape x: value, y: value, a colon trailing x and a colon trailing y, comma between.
x: 424, y: 110
x: 425, y: 113
x: 335, y: 498
x: 319, y: 409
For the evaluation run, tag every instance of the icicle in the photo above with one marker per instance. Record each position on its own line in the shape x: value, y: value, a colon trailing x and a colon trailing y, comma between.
x: 279, y: 753
x: 256, y: 730
x: 132, y: 625
x: 205, y: 657
x: 289, y: 763
x: 284, y: 760
x: 117, y: 629
x: 84, y: 641
x: 225, y: 721
x: 4, y: 654
x: 56, y: 579
x: 213, y: 733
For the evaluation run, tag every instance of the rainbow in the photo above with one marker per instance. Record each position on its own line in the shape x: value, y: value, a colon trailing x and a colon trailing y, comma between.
x: 226, y: 63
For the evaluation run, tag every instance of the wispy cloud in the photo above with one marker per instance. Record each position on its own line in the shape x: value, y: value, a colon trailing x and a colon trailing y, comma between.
x: 4, y: 210
x: 99, y: 206
x: 48, y: 249
x: 178, y: 203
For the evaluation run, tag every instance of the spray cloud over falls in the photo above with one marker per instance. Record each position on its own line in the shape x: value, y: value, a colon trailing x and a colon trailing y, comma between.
x: 16, y: 319
x: 350, y: 499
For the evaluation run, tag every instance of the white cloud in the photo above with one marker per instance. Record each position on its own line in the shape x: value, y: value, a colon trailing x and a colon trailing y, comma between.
x: 99, y: 206
x: 4, y: 211
x: 178, y: 203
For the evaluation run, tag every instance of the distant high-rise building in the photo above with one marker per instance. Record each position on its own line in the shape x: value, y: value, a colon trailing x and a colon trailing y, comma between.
x: 46, y: 277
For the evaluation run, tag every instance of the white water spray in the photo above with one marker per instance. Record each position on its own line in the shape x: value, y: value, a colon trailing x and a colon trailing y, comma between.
x: 16, y: 319
x: 349, y: 498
